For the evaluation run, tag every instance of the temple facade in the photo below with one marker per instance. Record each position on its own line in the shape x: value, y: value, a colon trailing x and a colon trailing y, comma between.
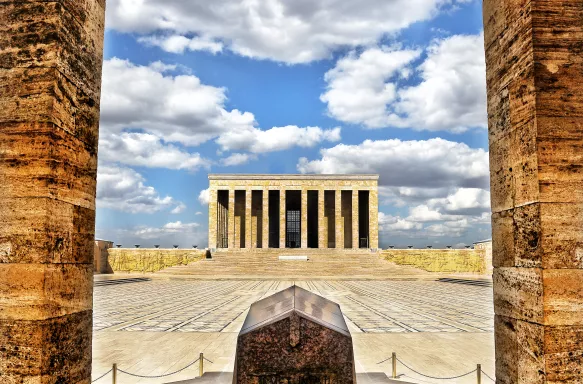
x: 293, y: 211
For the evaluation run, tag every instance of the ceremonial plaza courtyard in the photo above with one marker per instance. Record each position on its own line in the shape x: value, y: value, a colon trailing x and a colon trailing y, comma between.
x: 267, y: 233
x: 151, y: 325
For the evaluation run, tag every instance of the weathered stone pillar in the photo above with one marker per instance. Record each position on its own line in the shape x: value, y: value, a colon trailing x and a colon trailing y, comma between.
x: 249, y: 234
x: 50, y: 84
x: 304, y: 218
x: 355, y: 219
x: 322, y: 224
x: 339, y: 220
x: 282, y: 218
x: 231, y: 220
x: 535, y: 113
x: 212, y: 218
x: 373, y: 228
x: 265, y: 202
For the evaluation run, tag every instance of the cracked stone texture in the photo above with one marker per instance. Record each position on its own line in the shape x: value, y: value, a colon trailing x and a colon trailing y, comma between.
x: 535, y: 111
x: 276, y: 350
x: 50, y: 80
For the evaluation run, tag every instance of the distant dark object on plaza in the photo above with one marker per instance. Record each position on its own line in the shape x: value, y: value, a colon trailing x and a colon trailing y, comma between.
x: 175, y: 246
x: 137, y: 245
x: 118, y: 245
x: 409, y: 246
x: 294, y: 336
x: 195, y: 246
x: 429, y: 246
x: 156, y: 245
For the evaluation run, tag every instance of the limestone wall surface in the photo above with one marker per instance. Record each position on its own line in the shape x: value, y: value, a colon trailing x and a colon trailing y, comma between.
x: 51, y: 55
x: 282, y: 183
x: 439, y: 260
x: 150, y: 259
x: 100, y: 256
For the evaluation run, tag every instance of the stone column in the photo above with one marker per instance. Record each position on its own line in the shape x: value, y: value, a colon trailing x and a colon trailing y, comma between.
x: 339, y: 220
x: 50, y: 79
x: 231, y: 220
x: 322, y: 231
x: 265, y: 202
x: 249, y: 234
x: 535, y: 113
x: 304, y: 218
x: 282, y: 218
x: 373, y: 228
x: 212, y: 218
x: 355, y: 239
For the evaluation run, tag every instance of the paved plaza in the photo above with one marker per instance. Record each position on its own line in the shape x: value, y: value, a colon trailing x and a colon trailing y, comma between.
x: 154, y: 326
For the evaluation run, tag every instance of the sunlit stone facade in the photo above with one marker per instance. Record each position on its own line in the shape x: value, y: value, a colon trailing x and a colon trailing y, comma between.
x: 293, y: 211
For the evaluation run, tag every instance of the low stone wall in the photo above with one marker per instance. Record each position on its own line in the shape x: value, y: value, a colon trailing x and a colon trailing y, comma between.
x: 150, y: 259
x: 439, y: 260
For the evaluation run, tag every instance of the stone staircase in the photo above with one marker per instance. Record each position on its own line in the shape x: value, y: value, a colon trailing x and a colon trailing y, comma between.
x: 259, y: 264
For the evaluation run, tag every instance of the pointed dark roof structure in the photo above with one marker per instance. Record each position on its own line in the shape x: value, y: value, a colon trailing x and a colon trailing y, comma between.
x: 294, y: 336
x: 295, y: 299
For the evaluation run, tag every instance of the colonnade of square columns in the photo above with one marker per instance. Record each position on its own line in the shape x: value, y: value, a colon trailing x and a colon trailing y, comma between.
x: 293, y: 218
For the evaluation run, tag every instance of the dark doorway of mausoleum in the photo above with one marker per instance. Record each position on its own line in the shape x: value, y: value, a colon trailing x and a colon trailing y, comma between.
x: 293, y: 221
x: 273, y: 209
x: 312, y: 219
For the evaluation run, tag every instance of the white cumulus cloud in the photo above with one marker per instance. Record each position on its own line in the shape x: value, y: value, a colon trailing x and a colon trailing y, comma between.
x: 179, y: 44
x: 179, y: 209
x: 358, y: 90
x: 203, y: 197
x: 124, y: 189
x: 288, y: 31
x: 166, y: 229
x: 175, y: 107
x: 277, y: 138
x: 389, y: 223
x: 174, y: 111
x: 450, y: 95
x: 237, y: 159
x: 144, y: 149
x: 443, y: 184
x: 429, y: 163
x: 185, y: 235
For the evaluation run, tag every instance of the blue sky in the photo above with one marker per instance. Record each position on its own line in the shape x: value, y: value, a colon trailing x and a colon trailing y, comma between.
x: 395, y: 87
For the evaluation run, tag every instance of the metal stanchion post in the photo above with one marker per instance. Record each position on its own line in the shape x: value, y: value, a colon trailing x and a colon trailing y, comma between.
x: 201, y: 364
x: 394, y: 361
x: 114, y: 373
x: 479, y: 374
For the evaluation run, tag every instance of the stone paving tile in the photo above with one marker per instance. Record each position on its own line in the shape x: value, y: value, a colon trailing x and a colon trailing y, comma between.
x: 214, y: 306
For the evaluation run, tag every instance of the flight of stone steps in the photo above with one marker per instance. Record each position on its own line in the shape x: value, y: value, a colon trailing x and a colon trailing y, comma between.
x: 266, y: 264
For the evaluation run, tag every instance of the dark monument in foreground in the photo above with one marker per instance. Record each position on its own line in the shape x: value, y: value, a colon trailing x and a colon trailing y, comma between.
x: 294, y: 337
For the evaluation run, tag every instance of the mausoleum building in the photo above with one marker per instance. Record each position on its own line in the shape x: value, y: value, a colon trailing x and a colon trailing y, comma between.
x: 293, y: 211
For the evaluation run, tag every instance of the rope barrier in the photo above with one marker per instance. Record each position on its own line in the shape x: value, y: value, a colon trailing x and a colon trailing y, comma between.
x: 102, y: 376
x: 387, y: 359
x: 158, y: 376
x: 488, y: 376
x: 434, y: 377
